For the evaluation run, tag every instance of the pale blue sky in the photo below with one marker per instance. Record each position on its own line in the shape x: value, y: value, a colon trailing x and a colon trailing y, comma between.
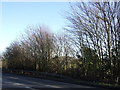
x: 16, y: 16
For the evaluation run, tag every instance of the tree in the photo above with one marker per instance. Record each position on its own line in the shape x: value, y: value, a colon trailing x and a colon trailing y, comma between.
x: 40, y: 45
x: 94, y: 25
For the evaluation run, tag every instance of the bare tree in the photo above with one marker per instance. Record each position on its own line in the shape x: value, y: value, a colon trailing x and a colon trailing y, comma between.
x: 94, y: 25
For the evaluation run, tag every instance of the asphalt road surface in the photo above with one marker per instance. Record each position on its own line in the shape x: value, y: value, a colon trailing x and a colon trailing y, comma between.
x: 17, y: 81
x: 0, y: 78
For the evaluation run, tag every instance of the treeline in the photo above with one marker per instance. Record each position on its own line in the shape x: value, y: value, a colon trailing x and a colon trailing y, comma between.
x: 89, y: 50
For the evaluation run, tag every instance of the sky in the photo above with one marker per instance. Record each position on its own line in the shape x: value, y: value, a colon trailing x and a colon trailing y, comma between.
x: 17, y: 16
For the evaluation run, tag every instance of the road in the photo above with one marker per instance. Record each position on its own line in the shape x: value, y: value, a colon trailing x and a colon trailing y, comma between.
x: 0, y: 78
x: 17, y: 81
